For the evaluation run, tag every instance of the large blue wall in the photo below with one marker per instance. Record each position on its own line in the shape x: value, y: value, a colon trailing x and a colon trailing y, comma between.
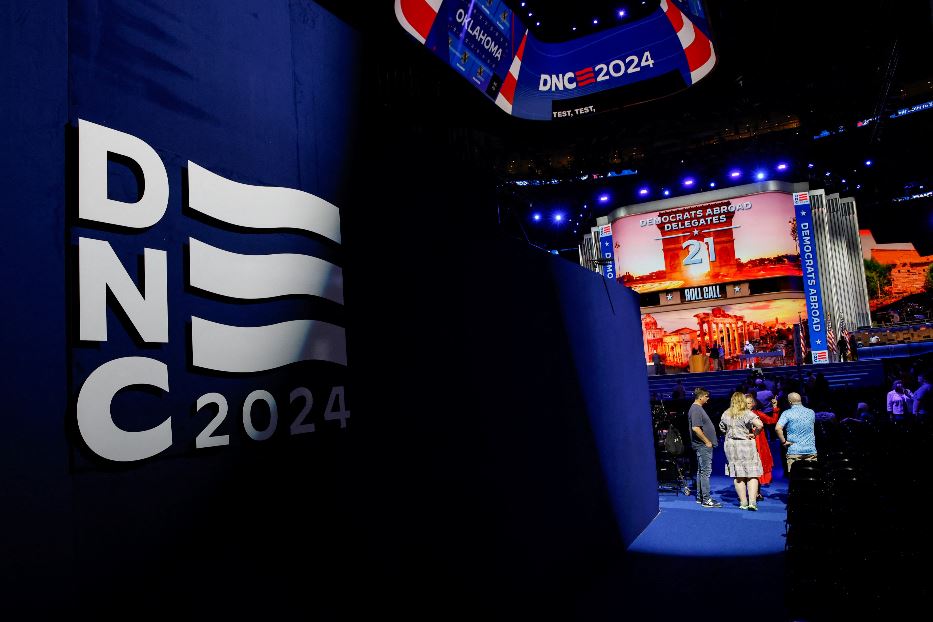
x: 499, y: 441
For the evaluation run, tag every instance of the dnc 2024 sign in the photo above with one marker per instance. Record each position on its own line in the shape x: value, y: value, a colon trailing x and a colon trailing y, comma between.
x: 664, y: 49
x: 204, y: 312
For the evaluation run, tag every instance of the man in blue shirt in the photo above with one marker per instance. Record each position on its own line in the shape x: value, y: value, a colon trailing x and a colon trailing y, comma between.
x: 800, y: 439
x: 923, y: 399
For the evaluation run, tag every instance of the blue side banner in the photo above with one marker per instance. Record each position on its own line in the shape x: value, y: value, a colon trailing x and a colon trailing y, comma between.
x: 816, y: 318
x: 605, y: 252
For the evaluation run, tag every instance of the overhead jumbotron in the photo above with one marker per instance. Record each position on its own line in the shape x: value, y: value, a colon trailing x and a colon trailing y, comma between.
x: 659, y: 48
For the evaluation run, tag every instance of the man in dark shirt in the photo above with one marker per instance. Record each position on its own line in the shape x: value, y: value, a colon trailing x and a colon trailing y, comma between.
x: 843, y: 349
x: 853, y: 347
x: 658, y: 364
x: 703, y: 439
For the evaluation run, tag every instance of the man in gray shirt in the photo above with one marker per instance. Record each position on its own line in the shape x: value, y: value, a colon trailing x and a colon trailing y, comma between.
x: 703, y: 439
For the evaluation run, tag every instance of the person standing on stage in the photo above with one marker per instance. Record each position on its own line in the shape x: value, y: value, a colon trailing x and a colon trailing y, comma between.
x: 741, y: 425
x: 853, y: 347
x: 714, y: 357
x: 658, y: 363
x: 703, y: 439
x: 800, y: 438
x: 843, y: 349
x: 748, y: 349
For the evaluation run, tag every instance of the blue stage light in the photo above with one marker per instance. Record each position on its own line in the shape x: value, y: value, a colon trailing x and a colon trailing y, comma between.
x: 621, y: 12
x: 689, y: 182
x: 536, y: 216
x: 643, y: 192
x: 712, y: 184
x: 595, y: 21
x: 867, y: 162
x: 666, y: 193
x: 782, y: 166
x: 558, y: 217
x: 735, y: 173
x: 603, y: 198
x: 810, y: 165
x: 760, y: 175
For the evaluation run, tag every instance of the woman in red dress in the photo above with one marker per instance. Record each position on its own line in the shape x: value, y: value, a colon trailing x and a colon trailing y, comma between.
x: 761, y: 439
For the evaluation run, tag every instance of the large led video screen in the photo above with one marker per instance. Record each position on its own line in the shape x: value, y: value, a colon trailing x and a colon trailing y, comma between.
x: 769, y: 325
x: 732, y: 240
x: 664, y: 48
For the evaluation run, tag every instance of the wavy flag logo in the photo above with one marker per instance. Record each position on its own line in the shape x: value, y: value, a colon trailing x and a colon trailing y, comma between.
x: 225, y: 348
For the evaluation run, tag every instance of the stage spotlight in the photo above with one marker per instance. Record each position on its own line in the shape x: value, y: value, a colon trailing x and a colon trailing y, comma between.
x: 760, y: 175
x: 867, y: 162
x: 810, y: 165
x: 666, y: 193
x: 782, y: 166
x: 536, y: 217
x: 735, y: 173
x: 621, y: 12
x: 643, y: 192
x: 712, y: 184
x: 595, y: 21
x: 603, y: 198
x: 558, y: 217
x: 689, y: 182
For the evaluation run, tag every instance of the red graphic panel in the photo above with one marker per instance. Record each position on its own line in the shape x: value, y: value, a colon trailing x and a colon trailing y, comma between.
x: 739, y: 239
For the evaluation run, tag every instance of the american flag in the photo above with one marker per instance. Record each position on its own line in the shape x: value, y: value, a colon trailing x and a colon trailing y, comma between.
x: 830, y: 339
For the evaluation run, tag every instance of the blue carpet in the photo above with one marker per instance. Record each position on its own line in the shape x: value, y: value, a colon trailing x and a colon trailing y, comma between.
x: 690, y: 560
x: 685, y: 528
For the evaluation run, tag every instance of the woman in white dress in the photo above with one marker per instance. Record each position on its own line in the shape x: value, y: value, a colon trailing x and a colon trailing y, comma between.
x: 740, y: 425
